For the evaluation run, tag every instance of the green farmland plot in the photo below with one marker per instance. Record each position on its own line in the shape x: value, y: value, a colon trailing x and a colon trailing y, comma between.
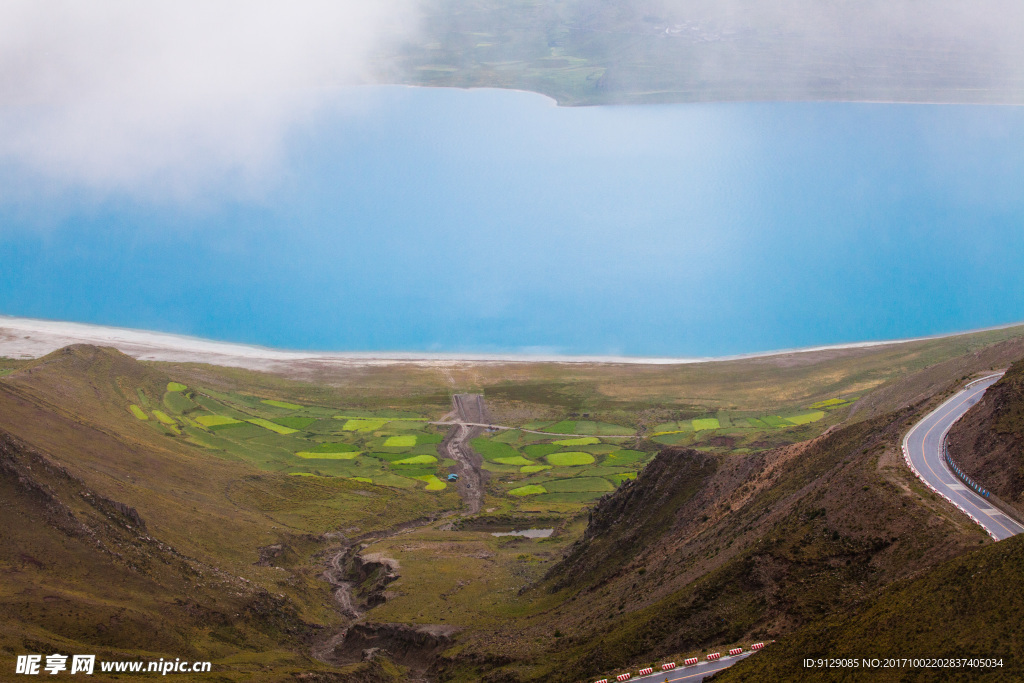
x: 217, y: 407
x: 532, y: 469
x: 389, y: 479
x: 309, y: 455
x: 272, y: 426
x: 570, y: 459
x: 282, y: 404
x: 805, y: 418
x: 164, y: 417
x: 539, y: 450
x: 703, y: 423
x: 176, y: 386
x: 563, y: 427
x: 296, y: 423
x: 406, y: 425
x: 388, y: 457
x: 334, y: 448
x: 417, y: 460
x: 514, y: 460
x: 528, y: 490
x: 576, y: 484
x: 586, y: 427
x: 492, y: 450
x: 178, y: 402
x: 624, y: 457
x: 363, y: 424
x: 138, y: 412
x: 595, y: 449
x: 608, y: 429
x: 433, y: 483
x: 829, y: 404
x: 569, y: 497
x: 286, y: 442
x: 581, y: 441
x: 491, y: 466
x: 403, y: 441
x: 509, y: 436
x: 673, y: 439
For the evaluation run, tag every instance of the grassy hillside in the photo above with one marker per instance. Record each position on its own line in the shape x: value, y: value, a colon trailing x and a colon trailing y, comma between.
x: 969, y: 607
x: 123, y: 536
x: 82, y: 574
x: 988, y: 442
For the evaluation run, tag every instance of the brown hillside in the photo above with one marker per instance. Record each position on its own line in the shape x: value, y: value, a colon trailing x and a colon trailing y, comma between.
x: 82, y: 573
x: 988, y: 441
x: 71, y: 405
x: 968, y: 607
x: 708, y: 550
x: 117, y: 536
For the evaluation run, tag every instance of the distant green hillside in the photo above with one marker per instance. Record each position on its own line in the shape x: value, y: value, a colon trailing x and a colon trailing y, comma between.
x: 598, y: 52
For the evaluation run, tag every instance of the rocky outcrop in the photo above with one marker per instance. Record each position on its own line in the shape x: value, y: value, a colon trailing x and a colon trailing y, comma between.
x: 415, y: 647
x: 370, y: 575
x: 636, y: 515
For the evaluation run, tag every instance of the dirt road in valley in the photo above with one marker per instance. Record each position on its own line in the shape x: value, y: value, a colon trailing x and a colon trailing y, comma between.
x: 467, y: 409
x: 472, y: 413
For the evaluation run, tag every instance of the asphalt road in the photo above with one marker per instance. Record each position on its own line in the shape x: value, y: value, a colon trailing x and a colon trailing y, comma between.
x: 691, y: 674
x: 923, y: 446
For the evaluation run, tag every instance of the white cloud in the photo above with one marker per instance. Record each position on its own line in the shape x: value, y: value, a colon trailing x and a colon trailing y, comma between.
x: 176, y: 94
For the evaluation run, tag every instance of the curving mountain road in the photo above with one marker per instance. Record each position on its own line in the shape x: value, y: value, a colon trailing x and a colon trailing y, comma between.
x: 923, y: 450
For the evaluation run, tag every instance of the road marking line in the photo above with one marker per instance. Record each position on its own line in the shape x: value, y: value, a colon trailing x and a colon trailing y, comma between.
x: 958, y: 487
x: 938, y: 420
x: 989, y: 511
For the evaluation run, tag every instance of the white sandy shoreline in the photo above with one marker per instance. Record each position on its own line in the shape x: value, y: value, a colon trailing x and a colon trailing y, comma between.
x: 26, y: 338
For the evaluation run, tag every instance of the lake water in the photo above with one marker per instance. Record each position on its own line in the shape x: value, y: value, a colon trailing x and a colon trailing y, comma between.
x: 526, y: 533
x: 450, y: 220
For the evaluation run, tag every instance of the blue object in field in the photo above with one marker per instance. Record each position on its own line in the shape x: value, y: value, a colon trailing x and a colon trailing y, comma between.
x: 453, y: 477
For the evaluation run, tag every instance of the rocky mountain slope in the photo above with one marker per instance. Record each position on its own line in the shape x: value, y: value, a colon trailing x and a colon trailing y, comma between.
x: 969, y: 607
x: 82, y: 573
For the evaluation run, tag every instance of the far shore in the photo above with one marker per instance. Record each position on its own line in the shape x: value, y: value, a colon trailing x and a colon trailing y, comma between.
x: 29, y: 338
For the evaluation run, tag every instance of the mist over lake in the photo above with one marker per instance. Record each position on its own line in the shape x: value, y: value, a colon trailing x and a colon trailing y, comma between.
x: 487, y: 220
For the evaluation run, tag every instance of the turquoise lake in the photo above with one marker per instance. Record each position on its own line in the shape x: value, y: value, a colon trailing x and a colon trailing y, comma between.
x: 451, y: 220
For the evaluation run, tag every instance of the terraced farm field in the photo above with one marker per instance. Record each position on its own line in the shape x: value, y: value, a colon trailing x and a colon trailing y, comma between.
x: 569, y: 461
x: 555, y: 469
x: 389, y: 448
x: 731, y: 430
